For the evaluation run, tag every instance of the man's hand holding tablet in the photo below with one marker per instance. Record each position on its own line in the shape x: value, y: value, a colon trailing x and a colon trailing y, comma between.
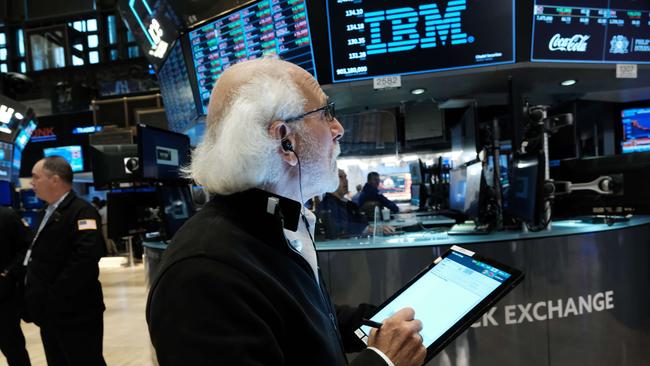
x: 399, y: 339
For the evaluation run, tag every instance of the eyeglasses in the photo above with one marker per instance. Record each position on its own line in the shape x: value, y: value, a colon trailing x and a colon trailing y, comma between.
x: 328, y: 113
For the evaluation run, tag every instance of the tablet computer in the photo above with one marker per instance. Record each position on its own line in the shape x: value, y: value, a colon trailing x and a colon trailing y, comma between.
x: 449, y: 295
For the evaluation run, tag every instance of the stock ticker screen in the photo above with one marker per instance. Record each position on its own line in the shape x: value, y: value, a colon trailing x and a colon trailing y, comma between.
x: 176, y: 91
x: 375, y: 38
x: 609, y: 31
x: 636, y: 129
x: 5, y: 160
x: 267, y: 27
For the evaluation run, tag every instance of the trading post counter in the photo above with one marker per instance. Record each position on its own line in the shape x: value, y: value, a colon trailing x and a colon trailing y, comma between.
x: 585, y: 299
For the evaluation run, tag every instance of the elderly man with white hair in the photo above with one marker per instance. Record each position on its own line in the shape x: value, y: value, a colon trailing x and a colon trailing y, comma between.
x: 239, y: 284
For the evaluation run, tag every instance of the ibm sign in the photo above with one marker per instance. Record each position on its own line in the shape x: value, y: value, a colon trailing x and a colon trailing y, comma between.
x: 438, y: 27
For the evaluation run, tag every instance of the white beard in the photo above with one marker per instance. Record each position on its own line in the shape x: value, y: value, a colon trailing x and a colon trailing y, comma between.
x: 319, y: 179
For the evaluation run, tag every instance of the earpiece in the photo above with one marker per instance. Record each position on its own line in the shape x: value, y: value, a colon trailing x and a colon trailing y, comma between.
x: 287, y: 145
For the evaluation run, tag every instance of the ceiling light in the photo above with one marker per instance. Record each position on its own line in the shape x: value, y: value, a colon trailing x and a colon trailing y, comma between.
x: 418, y: 91
x: 568, y: 82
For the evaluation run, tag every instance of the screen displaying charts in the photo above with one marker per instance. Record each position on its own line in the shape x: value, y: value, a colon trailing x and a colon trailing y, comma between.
x: 615, y: 31
x: 72, y: 154
x: 176, y: 90
x: 267, y: 27
x: 375, y: 38
x: 636, y: 130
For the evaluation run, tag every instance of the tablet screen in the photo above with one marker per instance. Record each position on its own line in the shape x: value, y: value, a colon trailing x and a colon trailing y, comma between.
x: 444, y: 294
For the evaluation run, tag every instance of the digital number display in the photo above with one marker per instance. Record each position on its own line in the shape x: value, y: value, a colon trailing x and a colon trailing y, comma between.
x: 615, y: 31
x: 268, y: 27
x: 376, y: 38
x: 176, y: 91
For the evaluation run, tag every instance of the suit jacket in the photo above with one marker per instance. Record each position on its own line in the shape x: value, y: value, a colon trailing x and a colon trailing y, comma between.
x: 61, y: 284
x: 232, y: 291
x: 16, y: 237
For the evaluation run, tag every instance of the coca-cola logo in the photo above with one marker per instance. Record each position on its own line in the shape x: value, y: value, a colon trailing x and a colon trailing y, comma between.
x: 577, y: 43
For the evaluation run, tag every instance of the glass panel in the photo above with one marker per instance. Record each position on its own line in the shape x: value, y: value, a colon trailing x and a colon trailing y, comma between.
x: 93, y: 41
x: 21, y: 43
x: 3, y: 39
x: 46, y: 54
x: 23, y: 67
x: 3, y: 67
x: 134, y: 51
x: 77, y: 61
x: 79, y: 25
x: 91, y: 25
x: 112, y: 29
x: 79, y: 47
x: 93, y: 57
x: 3, y: 54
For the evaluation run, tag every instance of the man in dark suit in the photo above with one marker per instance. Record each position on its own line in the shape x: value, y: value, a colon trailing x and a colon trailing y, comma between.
x: 239, y: 284
x: 63, y: 295
x: 15, y: 240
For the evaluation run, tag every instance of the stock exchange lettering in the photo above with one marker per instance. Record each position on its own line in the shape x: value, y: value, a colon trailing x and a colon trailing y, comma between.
x: 438, y: 27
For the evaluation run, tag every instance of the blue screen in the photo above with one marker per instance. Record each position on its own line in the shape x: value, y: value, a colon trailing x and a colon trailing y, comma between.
x: 72, y: 154
x: 6, y: 193
x: 6, y: 151
x: 29, y: 199
x: 23, y: 136
x: 636, y: 130
x: 176, y: 90
x: 162, y: 153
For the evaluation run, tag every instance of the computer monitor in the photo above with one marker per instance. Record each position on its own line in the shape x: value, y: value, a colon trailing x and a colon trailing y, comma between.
x: 465, y: 189
x: 114, y: 164
x: 396, y: 186
x: 6, y: 193
x: 30, y: 200
x: 463, y: 132
x: 132, y: 212
x: 176, y: 207
x: 32, y: 218
x: 162, y: 153
x: 636, y: 130
x: 524, y: 200
x: 71, y: 154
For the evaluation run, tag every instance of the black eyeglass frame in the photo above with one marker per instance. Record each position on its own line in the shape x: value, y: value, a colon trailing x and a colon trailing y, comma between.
x: 329, y: 109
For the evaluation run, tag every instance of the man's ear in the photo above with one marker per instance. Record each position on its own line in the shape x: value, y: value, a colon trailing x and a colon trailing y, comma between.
x: 279, y: 131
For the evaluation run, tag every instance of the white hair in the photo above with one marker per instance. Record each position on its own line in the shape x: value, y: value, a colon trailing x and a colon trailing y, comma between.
x: 237, y: 152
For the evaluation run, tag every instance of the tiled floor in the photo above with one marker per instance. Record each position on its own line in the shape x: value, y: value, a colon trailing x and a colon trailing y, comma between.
x: 126, y: 340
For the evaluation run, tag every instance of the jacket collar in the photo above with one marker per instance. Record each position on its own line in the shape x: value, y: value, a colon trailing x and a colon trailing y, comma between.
x: 259, y: 207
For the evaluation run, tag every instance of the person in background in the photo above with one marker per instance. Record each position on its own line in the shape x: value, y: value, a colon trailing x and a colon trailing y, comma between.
x: 111, y: 248
x: 239, y: 284
x: 63, y: 295
x: 355, y: 198
x: 342, y: 218
x: 13, y: 245
x: 370, y: 196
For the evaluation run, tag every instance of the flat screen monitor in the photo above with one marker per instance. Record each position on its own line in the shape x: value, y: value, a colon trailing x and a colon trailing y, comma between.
x: 524, y: 198
x: 176, y: 90
x: 636, y: 129
x: 71, y: 154
x: 377, y: 38
x: 6, y: 193
x: 29, y: 200
x: 12, y: 115
x: 6, y: 161
x: 176, y: 206
x: 262, y: 28
x: 395, y: 186
x: 131, y: 213
x: 162, y: 153
x: 114, y: 164
x: 32, y: 219
x: 154, y: 25
x: 602, y: 31
x: 465, y: 189
x: 25, y: 134
x: 464, y: 133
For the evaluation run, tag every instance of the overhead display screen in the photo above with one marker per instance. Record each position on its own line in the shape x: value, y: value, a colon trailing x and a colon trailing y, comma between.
x: 376, y: 38
x: 267, y: 27
x: 176, y: 90
x: 610, y: 31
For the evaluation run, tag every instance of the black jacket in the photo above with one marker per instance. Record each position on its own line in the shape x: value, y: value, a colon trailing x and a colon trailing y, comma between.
x: 231, y: 291
x: 61, y: 284
x: 15, y: 238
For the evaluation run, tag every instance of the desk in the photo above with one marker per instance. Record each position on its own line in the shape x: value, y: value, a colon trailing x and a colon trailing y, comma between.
x: 585, y: 299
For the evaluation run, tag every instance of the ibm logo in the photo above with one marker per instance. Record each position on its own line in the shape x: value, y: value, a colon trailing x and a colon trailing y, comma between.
x: 443, y: 28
